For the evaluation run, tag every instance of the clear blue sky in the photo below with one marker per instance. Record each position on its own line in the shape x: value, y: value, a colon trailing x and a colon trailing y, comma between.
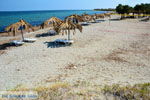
x: 19, y: 5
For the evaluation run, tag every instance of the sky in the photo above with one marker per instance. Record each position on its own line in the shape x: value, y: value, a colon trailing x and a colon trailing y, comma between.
x: 26, y: 5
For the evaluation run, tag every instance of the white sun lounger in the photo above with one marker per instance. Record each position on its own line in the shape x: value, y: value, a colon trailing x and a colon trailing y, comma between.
x: 52, y: 32
x: 29, y: 39
x: 64, y: 41
x: 84, y: 23
x: 17, y: 42
x: 97, y: 21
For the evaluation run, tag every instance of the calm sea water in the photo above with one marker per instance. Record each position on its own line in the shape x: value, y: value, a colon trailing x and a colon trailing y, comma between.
x: 37, y: 17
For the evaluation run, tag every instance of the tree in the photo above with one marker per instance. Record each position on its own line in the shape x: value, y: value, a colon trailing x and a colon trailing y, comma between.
x: 138, y: 8
x: 123, y: 9
x: 147, y: 8
x: 142, y: 8
x: 127, y: 9
x: 119, y: 9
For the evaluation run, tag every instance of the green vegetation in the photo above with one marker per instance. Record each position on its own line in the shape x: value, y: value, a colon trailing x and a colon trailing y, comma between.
x: 104, y: 9
x: 122, y: 9
x: 138, y: 9
x: 142, y: 8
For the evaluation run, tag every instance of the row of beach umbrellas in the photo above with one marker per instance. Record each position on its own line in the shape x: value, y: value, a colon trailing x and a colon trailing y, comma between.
x: 71, y: 23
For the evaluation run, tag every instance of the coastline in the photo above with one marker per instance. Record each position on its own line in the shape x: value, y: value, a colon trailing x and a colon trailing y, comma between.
x: 103, y: 54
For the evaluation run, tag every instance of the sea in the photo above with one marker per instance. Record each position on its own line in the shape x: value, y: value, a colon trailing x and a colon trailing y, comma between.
x: 35, y: 18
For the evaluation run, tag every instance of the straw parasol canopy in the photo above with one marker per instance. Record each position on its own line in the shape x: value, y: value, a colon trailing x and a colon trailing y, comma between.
x: 87, y: 17
x: 54, y: 21
x: 44, y: 25
x: 99, y: 16
x: 107, y: 15
x: 74, y: 18
x: 67, y: 26
x: 93, y: 17
x: 22, y: 24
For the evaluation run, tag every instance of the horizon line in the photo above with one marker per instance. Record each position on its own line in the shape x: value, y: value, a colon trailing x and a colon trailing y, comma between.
x: 41, y: 10
x: 51, y: 9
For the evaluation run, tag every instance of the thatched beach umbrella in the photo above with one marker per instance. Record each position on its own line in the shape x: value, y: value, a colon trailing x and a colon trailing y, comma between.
x: 54, y: 21
x: 67, y: 26
x: 107, y: 15
x: 74, y: 18
x: 93, y: 17
x: 87, y: 17
x: 100, y: 16
x: 22, y: 24
x: 44, y: 24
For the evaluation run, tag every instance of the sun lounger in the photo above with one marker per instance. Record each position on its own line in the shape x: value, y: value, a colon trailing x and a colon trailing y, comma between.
x: 84, y: 23
x: 145, y: 19
x: 97, y: 21
x: 64, y: 41
x: 29, y: 39
x: 52, y: 32
x: 17, y: 42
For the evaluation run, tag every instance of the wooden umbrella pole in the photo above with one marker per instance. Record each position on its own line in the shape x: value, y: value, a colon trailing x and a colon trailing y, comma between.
x: 69, y: 34
x: 22, y: 33
x: 109, y: 19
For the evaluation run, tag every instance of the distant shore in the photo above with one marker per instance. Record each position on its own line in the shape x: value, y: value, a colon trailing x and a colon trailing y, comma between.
x: 107, y: 9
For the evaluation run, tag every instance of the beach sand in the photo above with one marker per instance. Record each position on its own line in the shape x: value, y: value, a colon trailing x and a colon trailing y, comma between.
x: 103, y: 53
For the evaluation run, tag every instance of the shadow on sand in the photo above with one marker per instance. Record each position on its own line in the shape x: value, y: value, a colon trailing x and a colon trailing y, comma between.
x: 101, y: 20
x: 44, y: 35
x: 114, y: 19
x: 56, y: 45
x: 85, y: 24
x: 145, y: 19
x: 95, y: 22
x: 6, y: 45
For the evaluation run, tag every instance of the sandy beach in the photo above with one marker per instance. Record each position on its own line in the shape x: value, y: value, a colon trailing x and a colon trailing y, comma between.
x: 104, y: 53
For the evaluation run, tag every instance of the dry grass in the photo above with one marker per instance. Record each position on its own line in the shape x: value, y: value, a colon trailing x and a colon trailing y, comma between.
x: 146, y: 34
x: 20, y: 87
x: 53, y: 87
x: 139, y: 49
x: 136, y: 92
x: 71, y: 66
x: 134, y: 48
x: 52, y: 92
x: 81, y: 91
x: 2, y: 52
x: 114, y: 56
